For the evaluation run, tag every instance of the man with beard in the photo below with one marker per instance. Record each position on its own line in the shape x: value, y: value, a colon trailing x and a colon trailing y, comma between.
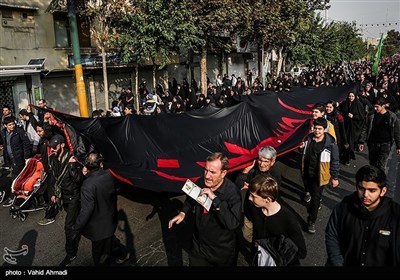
x: 68, y: 179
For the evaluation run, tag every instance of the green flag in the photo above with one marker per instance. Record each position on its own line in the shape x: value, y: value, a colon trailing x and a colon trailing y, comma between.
x: 377, y: 56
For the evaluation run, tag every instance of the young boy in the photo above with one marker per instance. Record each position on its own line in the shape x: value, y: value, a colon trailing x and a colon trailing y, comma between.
x: 320, y: 166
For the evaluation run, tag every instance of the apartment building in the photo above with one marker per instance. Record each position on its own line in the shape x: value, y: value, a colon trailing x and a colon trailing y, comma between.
x: 36, y: 60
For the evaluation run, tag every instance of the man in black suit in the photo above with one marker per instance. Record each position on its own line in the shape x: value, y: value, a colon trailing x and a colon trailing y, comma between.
x: 97, y: 218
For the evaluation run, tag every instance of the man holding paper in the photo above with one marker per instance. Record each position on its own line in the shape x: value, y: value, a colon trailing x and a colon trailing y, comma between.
x: 214, y: 236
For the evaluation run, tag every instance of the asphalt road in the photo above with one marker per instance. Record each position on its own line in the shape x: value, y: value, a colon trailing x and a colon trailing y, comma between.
x: 144, y: 216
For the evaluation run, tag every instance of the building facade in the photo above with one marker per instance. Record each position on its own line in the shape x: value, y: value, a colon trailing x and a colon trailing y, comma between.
x: 36, y: 60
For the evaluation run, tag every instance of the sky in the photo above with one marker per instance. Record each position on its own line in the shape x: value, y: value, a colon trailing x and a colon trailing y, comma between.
x: 372, y: 17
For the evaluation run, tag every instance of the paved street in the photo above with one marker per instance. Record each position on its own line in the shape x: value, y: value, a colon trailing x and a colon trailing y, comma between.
x: 143, y: 219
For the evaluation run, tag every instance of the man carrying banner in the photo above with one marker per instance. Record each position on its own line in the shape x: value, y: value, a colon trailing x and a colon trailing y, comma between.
x: 214, y: 237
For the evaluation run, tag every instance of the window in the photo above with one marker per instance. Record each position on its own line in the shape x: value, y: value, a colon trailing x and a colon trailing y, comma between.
x: 62, y: 32
x: 27, y: 17
x: 6, y: 13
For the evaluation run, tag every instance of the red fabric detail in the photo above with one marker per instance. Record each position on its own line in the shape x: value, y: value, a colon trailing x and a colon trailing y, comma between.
x: 64, y: 130
x: 122, y: 179
x: 168, y: 163
x: 175, y: 178
x: 32, y: 172
x: 293, y: 109
x: 235, y: 149
x: 340, y: 117
x: 205, y: 211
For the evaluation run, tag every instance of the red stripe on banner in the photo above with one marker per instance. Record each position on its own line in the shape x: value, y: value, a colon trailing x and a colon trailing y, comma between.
x: 294, y: 109
x: 168, y: 163
x: 235, y: 149
x: 175, y: 178
x: 122, y: 179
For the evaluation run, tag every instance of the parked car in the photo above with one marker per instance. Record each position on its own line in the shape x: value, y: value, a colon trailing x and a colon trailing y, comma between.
x: 297, y: 70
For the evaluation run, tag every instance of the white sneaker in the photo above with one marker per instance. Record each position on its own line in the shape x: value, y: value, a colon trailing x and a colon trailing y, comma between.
x: 9, y: 201
x: 2, y: 195
x: 45, y: 221
x: 307, y: 197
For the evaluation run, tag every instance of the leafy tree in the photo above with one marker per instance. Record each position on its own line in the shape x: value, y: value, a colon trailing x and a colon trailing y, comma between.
x: 219, y: 22
x: 157, y: 29
x: 391, y: 44
x: 102, y: 15
x: 326, y: 44
x: 278, y: 24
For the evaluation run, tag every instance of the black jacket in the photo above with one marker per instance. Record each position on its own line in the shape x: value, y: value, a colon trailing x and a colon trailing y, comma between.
x: 20, y: 146
x: 394, y: 128
x: 356, y: 237
x: 97, y: 218
x: 248, y: 207
x: 214, y: 235
x: 70, y: 183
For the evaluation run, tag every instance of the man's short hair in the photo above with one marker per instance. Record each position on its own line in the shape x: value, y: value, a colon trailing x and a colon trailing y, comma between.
x: 265, y: 186
x: 224, y: 160
x: 320, y: 107
x: 23, y: 112
x: 8, y: 120
x: 267, y: 152
x: 369, y: 173
x: 321, y: 122
x: 93, y: 161
x: 7, y: 107
x: 380, y: 101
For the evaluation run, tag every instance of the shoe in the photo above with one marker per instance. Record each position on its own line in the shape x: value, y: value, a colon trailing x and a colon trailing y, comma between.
x: 347, y: 163
x: 45, y: 221
x: 2, y: 196
x: 121, y: 261
x: 311, y: 227
x: 9, y: 201
x: 307, y: 197
x: 67, y: 260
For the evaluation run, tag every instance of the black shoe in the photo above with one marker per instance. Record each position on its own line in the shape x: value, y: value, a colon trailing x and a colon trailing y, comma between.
x: 9, y: 201
x: 67, y: 260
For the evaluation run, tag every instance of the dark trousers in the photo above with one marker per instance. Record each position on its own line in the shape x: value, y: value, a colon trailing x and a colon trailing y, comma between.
x: 106, y: 251
x: 378, y: 154
x: 71, y: 207
x: 312, y: 185
x: 101, y: 252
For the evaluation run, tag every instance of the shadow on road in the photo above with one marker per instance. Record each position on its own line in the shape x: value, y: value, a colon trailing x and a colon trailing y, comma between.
x: 124, y: 226
x: 24, y: 254
x: 178, y: 238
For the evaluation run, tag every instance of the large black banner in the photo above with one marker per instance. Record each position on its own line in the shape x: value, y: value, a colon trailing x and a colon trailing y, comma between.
x: 160, y: 153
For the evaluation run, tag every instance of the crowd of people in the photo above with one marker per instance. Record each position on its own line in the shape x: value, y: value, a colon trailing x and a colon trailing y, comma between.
x: 338, y: 130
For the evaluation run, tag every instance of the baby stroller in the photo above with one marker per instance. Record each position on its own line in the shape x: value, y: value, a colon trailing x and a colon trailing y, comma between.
x: 27, y: 189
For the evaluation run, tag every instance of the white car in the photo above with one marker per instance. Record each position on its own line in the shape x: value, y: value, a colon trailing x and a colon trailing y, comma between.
x: 297, y: 70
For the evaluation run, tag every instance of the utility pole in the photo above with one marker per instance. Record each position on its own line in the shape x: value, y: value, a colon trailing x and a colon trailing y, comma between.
x: 80, y: 84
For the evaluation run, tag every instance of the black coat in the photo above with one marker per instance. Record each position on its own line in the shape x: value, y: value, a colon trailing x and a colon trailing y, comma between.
x: 355, y: 236
x: 20, y: 146
x: 214, y: 236
x: 97, y: 218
